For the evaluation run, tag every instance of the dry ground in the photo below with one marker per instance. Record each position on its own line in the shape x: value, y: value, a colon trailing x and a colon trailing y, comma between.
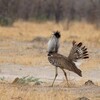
x: 20, y: 92
x: 25, y: 44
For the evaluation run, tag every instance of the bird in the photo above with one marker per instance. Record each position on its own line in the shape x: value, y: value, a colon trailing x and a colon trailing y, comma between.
x: 77, y: 52
x: 53, y: 43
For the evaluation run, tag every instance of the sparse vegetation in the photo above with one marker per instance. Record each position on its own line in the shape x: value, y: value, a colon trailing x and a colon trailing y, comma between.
x: 26, y: 80
x: 23, y: 92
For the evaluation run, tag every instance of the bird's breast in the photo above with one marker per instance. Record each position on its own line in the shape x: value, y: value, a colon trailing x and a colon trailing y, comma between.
x: 54, y: 62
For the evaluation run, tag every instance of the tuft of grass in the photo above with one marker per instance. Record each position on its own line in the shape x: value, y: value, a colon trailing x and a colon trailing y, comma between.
x: 2, y: 78
x: 27, y: 79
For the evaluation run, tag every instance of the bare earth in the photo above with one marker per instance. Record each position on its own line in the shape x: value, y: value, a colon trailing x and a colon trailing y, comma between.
x: 22, y: 55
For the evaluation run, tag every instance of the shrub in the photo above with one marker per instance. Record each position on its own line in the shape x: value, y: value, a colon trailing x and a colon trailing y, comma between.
x: 5, y: 21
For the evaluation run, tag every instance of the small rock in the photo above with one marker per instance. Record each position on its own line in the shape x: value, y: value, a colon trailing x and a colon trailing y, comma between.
x: 89, y: 82
x: 15, y: 80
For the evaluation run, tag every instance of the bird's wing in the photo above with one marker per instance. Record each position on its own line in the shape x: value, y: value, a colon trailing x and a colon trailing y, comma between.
x: 56, y: 60
x: 63, y: 62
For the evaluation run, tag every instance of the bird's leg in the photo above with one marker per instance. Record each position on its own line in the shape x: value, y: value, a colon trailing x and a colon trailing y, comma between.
x: 56, y: 74
x: 65, y: 76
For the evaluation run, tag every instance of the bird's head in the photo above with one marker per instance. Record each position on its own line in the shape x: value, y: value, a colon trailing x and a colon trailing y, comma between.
x: 57, y: 34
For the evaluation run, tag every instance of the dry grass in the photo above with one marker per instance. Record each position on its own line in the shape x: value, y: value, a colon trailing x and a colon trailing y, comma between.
x: 23, y: 93
x: 29, y: 30
x: 19, y: 92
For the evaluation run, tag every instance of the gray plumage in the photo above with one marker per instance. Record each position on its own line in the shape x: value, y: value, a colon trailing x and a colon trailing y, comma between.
x: 53, y: 44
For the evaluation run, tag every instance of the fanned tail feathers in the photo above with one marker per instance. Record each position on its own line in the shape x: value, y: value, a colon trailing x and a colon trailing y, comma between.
x: 78, y: 52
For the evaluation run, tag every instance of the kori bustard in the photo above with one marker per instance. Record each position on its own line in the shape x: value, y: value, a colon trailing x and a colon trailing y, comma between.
x: 77, y: 52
